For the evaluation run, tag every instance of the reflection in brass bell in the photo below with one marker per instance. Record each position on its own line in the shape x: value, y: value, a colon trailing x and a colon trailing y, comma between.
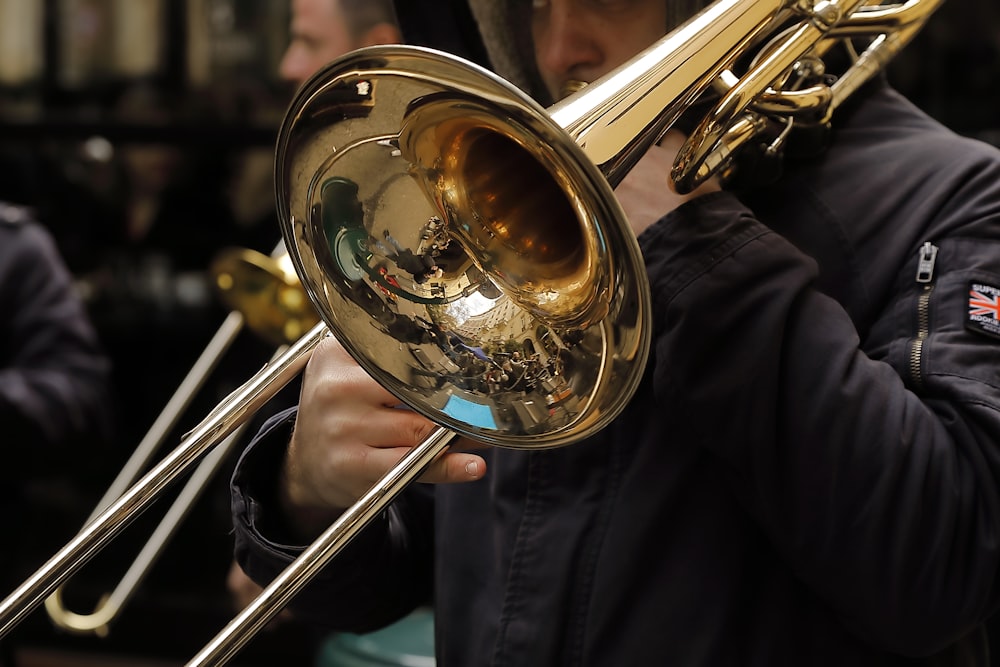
x: 266, y: 291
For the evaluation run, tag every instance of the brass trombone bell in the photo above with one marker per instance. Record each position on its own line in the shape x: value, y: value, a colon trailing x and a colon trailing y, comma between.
x: 266, y: 291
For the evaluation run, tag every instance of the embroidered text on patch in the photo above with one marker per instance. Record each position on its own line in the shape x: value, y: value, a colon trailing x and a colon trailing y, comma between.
x: 984, y: 309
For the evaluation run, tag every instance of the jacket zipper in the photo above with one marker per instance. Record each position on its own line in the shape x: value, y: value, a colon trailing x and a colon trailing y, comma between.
x: 925, y: 277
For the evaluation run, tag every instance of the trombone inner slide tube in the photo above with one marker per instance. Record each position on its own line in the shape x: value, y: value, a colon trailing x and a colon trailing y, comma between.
x: 226, y: 418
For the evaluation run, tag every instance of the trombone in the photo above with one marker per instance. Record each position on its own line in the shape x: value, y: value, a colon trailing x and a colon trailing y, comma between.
x: 388, y: 146
x: 264, y: 295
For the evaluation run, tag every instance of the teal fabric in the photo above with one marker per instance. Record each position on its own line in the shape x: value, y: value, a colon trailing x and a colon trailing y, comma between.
x: 407, y: 643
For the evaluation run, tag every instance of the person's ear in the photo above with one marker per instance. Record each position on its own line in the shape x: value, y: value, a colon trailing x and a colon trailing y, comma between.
x: 381, y: 33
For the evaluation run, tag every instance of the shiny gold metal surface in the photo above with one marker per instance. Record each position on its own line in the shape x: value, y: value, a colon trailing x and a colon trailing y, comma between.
x: 535, y: 266
x: 266, y: 291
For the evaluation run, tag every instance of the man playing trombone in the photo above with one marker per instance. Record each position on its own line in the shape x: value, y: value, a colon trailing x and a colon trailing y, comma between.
x: 807, y: 472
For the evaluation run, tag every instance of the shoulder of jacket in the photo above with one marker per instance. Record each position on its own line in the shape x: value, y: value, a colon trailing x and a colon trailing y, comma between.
x: 12, y: 215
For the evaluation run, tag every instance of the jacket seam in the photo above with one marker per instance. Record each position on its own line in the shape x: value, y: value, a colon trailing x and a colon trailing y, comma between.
x: 712, y: 257
x: 521, y: 552
x: 977, y: 380
x: 583, y: 602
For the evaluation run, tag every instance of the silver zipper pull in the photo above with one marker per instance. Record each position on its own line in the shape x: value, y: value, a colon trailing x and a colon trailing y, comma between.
x: 925, y: 266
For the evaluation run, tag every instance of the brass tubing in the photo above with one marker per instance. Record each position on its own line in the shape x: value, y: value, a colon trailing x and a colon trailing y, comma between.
x: 96, y: 535
x: 293, y: 578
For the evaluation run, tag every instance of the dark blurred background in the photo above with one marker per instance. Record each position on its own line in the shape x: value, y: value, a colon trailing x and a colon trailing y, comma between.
x: 141, y: 131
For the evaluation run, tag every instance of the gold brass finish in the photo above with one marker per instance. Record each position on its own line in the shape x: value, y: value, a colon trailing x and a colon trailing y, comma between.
x: 266, y: 291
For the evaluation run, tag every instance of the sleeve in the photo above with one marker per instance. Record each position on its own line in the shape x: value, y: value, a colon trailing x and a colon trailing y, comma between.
x: 54, y: 379
x: 880, y: 493
x: 383, y: 573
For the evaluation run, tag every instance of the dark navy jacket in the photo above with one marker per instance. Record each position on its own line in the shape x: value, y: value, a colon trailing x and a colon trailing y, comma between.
x: 808, y: 474
x: 54, y: 374
x: 56, y: 415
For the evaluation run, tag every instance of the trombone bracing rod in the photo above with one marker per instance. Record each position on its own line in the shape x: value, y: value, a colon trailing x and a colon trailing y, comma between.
x: 301, y: 571
x: 213, y: 429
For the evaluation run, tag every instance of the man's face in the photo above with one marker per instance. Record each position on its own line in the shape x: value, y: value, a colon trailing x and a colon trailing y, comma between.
x: 581, y: 40
x: 318, y: 35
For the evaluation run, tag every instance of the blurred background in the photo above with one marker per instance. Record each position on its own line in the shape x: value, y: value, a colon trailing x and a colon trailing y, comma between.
x: 141, y: 132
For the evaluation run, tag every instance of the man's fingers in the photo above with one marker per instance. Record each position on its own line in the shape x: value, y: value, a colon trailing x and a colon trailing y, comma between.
x: 450, y: 468
x: 454, y: 468
x: 332, y: 372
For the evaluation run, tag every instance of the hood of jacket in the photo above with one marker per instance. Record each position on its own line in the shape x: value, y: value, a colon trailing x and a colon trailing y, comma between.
x: 490, y: 33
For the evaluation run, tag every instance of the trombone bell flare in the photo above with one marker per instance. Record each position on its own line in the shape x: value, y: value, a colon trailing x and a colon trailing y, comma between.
x: 447, y: 231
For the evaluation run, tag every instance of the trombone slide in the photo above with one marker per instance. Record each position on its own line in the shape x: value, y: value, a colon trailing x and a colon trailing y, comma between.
x: 225, y: 419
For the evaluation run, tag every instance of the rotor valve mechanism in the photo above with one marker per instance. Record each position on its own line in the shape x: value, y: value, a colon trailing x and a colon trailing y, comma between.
x: 510, y: 210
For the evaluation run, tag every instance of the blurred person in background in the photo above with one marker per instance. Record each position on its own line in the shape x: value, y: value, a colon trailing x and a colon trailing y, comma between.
x: 56, y: 413
x: 321, y: 31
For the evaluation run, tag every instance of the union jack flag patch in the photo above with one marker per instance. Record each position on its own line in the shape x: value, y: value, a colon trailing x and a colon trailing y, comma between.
x: 984, y: 309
